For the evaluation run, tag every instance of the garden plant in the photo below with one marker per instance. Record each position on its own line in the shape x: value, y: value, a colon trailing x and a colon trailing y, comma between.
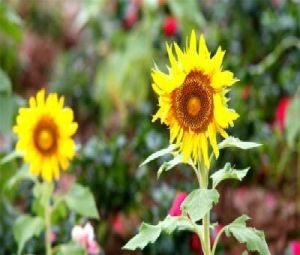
x: 193, y: 103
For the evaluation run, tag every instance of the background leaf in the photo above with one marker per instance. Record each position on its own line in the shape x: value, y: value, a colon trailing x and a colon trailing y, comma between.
x: 25, y: 228
x: 81, y: 200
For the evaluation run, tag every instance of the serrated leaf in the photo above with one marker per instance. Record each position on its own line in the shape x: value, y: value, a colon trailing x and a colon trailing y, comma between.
x: 228, y: 173
x: 253, y: 238
x: 237, y: 143
x: 81, y: 200
x: 158, y: 154
x: 147, y: 234
x: 198, y: 203
x: 25, y: 228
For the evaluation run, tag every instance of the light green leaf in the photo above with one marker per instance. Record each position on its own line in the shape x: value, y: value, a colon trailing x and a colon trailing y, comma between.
x: 199, y: 202
x: 5, y: 84
x: 10, y: 22
x: 69, y: 248
x: 147, y: 234
x: 237, y: 143
x: 254, y: 239
x: 10, y: 157
x: 81, y: 200
x: 172, y: 223
x: 21, y: 175
x: 158, y: 154
x: 25, y: 228
x: 6, y: 101
x: 228, y: 173
x: 166, y: 166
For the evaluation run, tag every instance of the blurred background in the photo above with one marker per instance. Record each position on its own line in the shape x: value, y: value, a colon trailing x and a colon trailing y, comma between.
x: 99, y: 55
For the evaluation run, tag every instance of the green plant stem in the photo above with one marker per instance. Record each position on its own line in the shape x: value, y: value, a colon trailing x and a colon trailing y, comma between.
x: 217, y: 240
x: 203, y: 183
x: 48, y: 229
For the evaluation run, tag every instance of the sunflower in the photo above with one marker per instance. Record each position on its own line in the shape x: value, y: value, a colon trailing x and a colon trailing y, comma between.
x: 45, y: 131
x: 192, y: 99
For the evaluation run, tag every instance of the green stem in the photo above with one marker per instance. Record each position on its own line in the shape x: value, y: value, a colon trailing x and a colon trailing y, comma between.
x: 48, y: 229
x: 203, y: 183
x: 217, y: 240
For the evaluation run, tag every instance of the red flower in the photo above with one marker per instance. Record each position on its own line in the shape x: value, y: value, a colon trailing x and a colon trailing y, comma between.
x: 175, y: 209
x: 170, y: 26
x: 281, y: 112
x: 295, y: 247
x: 196, y: 244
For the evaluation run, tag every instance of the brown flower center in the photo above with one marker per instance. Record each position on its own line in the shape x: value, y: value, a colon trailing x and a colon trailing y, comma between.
x: 45, y: 136
x: 192, y: 102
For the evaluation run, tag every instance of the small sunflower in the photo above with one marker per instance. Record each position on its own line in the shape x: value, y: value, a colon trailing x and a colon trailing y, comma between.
x: 192, y: 99
x: 45, y: 131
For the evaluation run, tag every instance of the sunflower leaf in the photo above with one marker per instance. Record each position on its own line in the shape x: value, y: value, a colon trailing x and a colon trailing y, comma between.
x: 150, y: 233
x: 25, y: 228
x: 166, y: 166
x: 253, y: 238
x: 228, y: 172
x: 81, y: 200
x: 199, y: 202
x: 237, y: 143
x: 158, y: 154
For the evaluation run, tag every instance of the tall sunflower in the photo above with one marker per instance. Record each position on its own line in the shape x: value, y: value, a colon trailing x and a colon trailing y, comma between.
x: 192, y: 98
x: 45, y: 131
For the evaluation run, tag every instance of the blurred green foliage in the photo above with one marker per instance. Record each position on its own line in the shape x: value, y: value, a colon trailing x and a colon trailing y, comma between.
x: 105, y: 74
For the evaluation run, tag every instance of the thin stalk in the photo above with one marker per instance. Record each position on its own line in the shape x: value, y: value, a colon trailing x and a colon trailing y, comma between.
x: 203, y: 183
x: 48, y: 228
x: 216, y: 241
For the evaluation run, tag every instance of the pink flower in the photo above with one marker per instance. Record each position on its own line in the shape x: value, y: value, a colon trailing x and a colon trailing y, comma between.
x: 281, y: 112
x: 86, y: 237
x: 170, y: 26
x: 295, y: 247
x: 175, y: 209
x: 117, y: 225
